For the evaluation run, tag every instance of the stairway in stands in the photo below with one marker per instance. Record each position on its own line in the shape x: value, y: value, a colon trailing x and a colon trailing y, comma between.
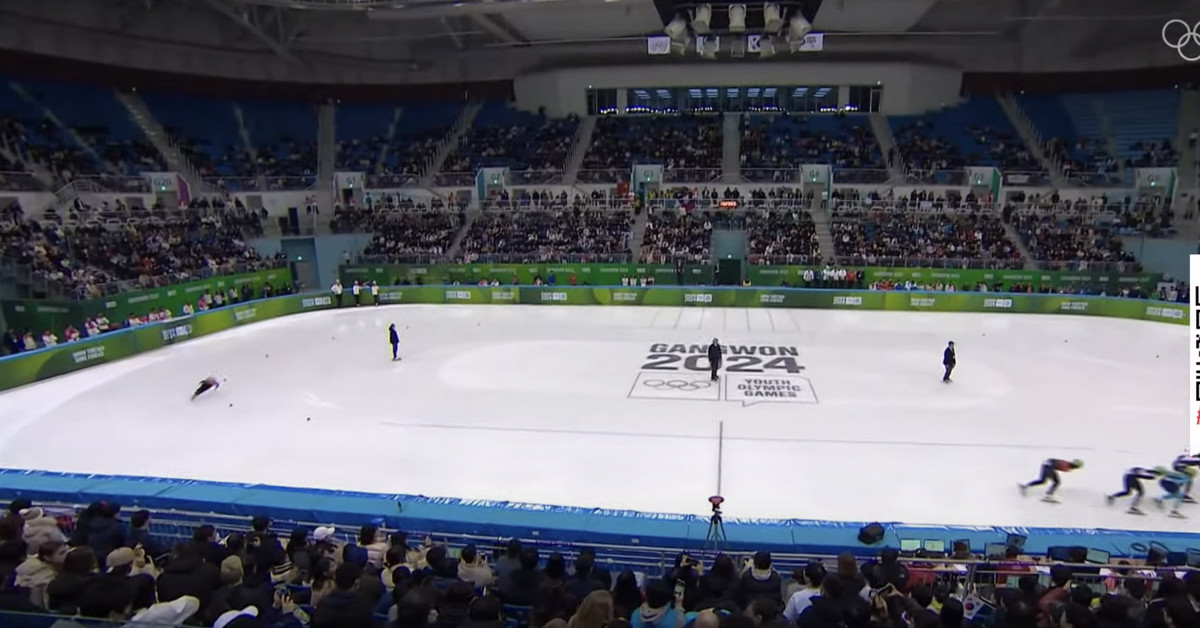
x: 460, y: 128
x: 583, y: 139
x: 157, y: 135
x: 731, y: 148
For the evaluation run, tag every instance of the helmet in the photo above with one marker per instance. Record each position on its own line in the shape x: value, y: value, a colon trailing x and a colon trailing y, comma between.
x: 1077, y: 463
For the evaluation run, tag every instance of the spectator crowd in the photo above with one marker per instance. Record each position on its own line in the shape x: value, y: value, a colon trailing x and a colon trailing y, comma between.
x: 102, y: 565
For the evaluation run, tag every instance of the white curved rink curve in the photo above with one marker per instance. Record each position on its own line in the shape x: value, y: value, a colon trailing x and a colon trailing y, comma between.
x: 530, y: 404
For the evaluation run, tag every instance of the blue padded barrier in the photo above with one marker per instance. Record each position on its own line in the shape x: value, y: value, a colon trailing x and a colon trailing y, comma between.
x: 499, y: 519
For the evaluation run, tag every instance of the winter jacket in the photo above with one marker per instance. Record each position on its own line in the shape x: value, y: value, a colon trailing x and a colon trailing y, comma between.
x: 758, y: 585
x: 104, y: 534
x: 40, y: 529
x: 35, y: 574
x: 63, y: 593
x: 823, y: 613
x: 141, y: 536
x: 236, y: 597
x: 479, y: 575
x: 375, y: 554
x: 667, y: 617
x: 521, y: 587
x: 189, y: 576
x: 343, y: 609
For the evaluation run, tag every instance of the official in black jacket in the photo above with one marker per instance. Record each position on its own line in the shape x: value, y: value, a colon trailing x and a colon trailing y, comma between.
x: 714, y: 358
x: 948, y: 361
x: 394, y: 339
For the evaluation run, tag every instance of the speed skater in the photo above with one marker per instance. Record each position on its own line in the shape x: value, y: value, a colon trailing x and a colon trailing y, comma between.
x: 1181, y: 464
x: 1133, y: 485
x: 1050, y: 470
x: 1173, y: 484
x: 207, y: 384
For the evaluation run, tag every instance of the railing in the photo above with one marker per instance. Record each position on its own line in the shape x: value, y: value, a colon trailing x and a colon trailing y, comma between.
x: 546, y: 258
x: 1097, y: 180
x: 691, y: 175
x: 936, y: 177
x: 454, y: 179
x: 1039, y: 179
x: 1088, y: 266
x: 20, y: 182
x: 233, y: 184
x: 770, y: 175
x: 785, y: 260
x: 922, y: 262
x: 603, y: 175
x: 392, y: 181
x: 937, y: 206
x: 555, y: 205
x: 706, y: 204
x: 117, y: 183
x: 291, y: 184
x: 871, y: 176
x: 535, y: 177
x: 405, y: 258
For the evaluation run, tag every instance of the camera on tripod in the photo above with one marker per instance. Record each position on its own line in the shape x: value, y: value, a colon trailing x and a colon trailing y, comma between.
x: 716, y: 501
x: 716, y: 526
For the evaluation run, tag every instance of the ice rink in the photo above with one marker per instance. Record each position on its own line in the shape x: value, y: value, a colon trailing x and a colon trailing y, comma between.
x: 831, y: 415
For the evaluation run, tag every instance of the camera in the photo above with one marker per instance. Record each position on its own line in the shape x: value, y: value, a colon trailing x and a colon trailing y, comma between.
x: 715, y: 501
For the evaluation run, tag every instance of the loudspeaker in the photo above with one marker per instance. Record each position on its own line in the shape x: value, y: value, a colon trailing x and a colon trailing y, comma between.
x: 871, y: 534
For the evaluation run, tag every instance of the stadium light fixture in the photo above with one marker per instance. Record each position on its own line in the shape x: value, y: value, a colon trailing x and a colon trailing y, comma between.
x: 798, y: 27
x: 737, y: 18
x: 701, y: 19
x: 676, y: 29
x: 766, y: 47
x: 772, y: 18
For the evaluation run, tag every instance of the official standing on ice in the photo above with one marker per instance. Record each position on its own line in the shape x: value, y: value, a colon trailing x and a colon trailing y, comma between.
x: 394, y: 339
x: 714, y: 358
x: 336, y: 289
x: 356, y: 288
x: 374, y: 293
x: 948, y: 361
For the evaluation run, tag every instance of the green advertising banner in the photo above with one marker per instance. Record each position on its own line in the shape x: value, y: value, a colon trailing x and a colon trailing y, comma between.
x: 38, y: 316
x: 30, y: 367
x: 26, y: 368
x: 759, y: 276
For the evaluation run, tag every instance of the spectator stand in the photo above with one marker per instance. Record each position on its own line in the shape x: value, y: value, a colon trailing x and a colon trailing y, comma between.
x: 773, y: 144
x: 688, y: 147
x: 531, y: 147
x: 420, y: 131
x: 99, y: 251
x: 922, y: 231
x: 535, y: 235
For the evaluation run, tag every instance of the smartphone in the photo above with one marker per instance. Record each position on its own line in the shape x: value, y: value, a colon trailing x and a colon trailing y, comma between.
x: 679, y: 587
x: 282, y: 590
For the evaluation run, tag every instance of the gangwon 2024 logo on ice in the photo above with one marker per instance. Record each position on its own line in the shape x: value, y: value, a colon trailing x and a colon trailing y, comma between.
x: 1182, y: 37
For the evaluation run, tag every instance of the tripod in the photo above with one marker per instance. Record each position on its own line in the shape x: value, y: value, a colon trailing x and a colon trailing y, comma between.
x: 716, y: 532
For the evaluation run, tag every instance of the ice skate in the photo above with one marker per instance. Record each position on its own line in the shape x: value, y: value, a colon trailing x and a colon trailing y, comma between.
x: 1050, y: 499
x: 1023, y: 489
x: 1134, y: 511
x: 1175, y: 514
x: 1109, y: 499
x: 1188, y: 499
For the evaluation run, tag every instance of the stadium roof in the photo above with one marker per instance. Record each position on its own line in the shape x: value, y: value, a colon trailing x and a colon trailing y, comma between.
x: 396, y: 41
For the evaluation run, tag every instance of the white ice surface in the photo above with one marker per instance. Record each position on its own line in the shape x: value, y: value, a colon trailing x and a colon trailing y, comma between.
x: 530, y: 403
